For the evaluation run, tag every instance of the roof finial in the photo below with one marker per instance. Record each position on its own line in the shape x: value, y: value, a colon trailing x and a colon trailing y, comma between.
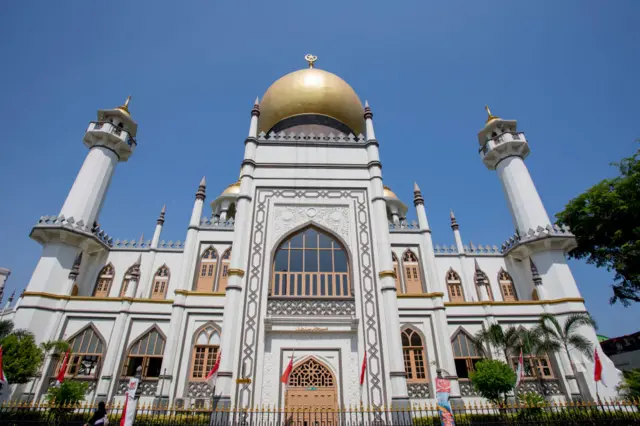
x: 125, y: 107
x: 311, y: 59
x: 201, y: 192
x: 454, y: 223
x: 490, y: 116
x: 417, y: 195
x: 162, y: 213
x: 256, y: 107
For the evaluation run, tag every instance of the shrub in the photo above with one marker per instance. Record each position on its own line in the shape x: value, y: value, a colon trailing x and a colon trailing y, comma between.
x: 493, y: 379
x: 68, y: 393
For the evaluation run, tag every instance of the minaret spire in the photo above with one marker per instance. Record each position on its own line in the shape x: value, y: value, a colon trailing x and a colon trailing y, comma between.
x: 162, y: 214
x: 454, y: 223
x: 202, y: 189
x: 417, y: 195
x: 255, y: 114
x: 368, y: 118
x: 456, y: 232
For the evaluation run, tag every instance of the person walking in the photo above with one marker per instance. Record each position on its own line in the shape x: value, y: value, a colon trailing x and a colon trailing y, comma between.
x: 99, y: 417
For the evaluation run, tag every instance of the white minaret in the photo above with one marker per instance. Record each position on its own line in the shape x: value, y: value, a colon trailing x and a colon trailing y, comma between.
x: 503, y: 148
x: 110, y: 139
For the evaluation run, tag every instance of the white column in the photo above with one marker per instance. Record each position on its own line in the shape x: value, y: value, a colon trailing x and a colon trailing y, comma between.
x: 523, y: 200
x: 51, y: 274
x: 386, y: 280
x: 90, y: 187
x: 187, y: 270
x: 456, y: 233
x: 231, y: 319
x: 555, y: 274
x: 443, y: 349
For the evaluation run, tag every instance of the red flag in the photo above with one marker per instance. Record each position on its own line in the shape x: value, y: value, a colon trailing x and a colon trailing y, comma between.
x: 2, y: 378
x: 123, y: 420
x: 364, y: 369
x: 63, y: 369
x: 287, y: 371
x: 597, y: 371
x: 213, y: 374
x: 520, y: 371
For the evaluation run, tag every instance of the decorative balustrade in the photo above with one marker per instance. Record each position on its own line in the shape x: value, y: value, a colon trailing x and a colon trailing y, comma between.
x: 217, y: 223
x: 480, y: 249
x: 445, y: 249
x: 311, y: 284
x: 539, y: 233
x: 302, y: 137
x: 404, y: 226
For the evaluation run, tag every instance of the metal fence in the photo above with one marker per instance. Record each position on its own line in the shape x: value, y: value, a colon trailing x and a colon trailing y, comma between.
x: 603, y: 413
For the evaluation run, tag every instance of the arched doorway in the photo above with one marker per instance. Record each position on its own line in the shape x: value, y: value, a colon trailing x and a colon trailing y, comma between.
x: 312, y: 395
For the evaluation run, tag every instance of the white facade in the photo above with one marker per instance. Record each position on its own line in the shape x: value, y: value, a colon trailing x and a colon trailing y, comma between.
x: 289, y: 182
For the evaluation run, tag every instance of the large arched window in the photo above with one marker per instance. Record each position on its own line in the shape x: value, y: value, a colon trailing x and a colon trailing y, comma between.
x: 411, y: 267
x: 205, y: 351
x: 146, y: 352
x: 414, y: 359
x: 454, y: 287
x: 207, y: 270
x: 128, y: 276
x: 310, y: 263
x: 224, y: 272
x: 87, y: 351
x: 160, y: 283
x: 105, y: 279
x: 396, y: 270
x: 465, y: 354
x: 506, y: 286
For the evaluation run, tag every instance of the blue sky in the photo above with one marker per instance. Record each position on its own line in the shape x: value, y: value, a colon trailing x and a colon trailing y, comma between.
x: 566, y: 70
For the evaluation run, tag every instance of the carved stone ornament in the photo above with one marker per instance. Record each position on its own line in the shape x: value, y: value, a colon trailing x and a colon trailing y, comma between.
x: 148, y: 387
x: 335, y: 218
x: 199, y: 390
x: 467, y: 389
x: 304, y: 307
x: 544, y: 388
x: 418, y: 390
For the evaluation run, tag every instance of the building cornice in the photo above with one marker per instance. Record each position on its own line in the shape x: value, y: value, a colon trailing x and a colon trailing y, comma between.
x: 420, y: 295
x: 201, y: 293
x: 91, y: 298
x: 518, y: 302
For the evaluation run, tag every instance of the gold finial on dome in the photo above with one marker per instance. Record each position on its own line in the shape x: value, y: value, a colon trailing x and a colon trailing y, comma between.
x: 490, y: 117
x: 311, y: 59
x: 125, y: 108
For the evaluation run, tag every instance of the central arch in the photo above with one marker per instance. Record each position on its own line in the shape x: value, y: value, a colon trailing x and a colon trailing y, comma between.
x: 312, y: 390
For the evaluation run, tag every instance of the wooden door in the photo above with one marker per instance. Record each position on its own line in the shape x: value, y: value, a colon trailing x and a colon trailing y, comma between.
x: 311, y: 398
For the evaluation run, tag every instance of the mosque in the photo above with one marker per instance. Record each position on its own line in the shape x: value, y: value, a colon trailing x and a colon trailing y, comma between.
x: 308, y: 256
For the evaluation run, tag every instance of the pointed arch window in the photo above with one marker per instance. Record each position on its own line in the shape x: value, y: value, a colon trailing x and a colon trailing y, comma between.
x: 146, y: 352
x: 105, y: 279
x: 414, y: 357
x: 396, y: 270
x: 160, y: 283
x: 128, y: 277
x: 411, y: 266
x: 87, y: 351
x: 311, y: 373
x: 205, y: 352
x: 481, y: 281
x: 507, y: 287
x: 207, y: 270
x: 224, y: 271
x: 311, y: 263
x: 465, y: 354
x: 454, y: 287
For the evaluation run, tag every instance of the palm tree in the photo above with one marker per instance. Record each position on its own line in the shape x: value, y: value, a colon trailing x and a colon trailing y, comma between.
x: 556, y: 336
x: 506, y: 341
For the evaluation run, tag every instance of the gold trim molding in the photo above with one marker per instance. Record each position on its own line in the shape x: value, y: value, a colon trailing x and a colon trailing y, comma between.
x: 419, y: 295
x: 200, y: 293
x: 384, y: 274
x: 238, y: 272
x: 91, y: 298
x: 519, y: 302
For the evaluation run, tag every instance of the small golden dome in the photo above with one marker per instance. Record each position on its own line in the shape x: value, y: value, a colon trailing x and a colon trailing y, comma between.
x: 387, y: 192
x: 311, y: 91
x: 490, y: 117
x: 125, y: 108
x: 234, y: 188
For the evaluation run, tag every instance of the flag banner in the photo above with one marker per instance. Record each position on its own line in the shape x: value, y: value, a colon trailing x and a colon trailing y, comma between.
x: 63, y: 369
x: 129, y: 410
x: 363, y: 371
x: 443, y: 389
x: 213, y: 374
x: 597, y: 371
x: 285, y: 376
x: 519, y: 371
x: 4, y: 384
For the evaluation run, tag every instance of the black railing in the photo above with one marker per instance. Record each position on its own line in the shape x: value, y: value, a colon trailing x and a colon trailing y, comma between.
x: 609, y: 412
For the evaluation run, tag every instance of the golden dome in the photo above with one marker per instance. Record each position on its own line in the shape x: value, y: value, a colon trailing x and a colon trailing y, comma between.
x: 125, y: 108
x: 234, y: 188
x: 387, y: 192
x: 311, y: 91
x: 490, y: 117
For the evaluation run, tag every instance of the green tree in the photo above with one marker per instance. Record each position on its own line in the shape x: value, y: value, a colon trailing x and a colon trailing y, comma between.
x: 605, y: 222
x: 506, y: 341
x: 6, y: 327
x: 70, y: 392
x: 556, y: 336
x: 21, y: 357
x: 493, y: 379
x: 630, y: 385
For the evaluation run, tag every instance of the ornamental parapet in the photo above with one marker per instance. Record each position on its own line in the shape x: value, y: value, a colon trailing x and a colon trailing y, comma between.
x: 311, y: 137
x: 216, y: 223
x: 404, y: 226
x: 548, y: 238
